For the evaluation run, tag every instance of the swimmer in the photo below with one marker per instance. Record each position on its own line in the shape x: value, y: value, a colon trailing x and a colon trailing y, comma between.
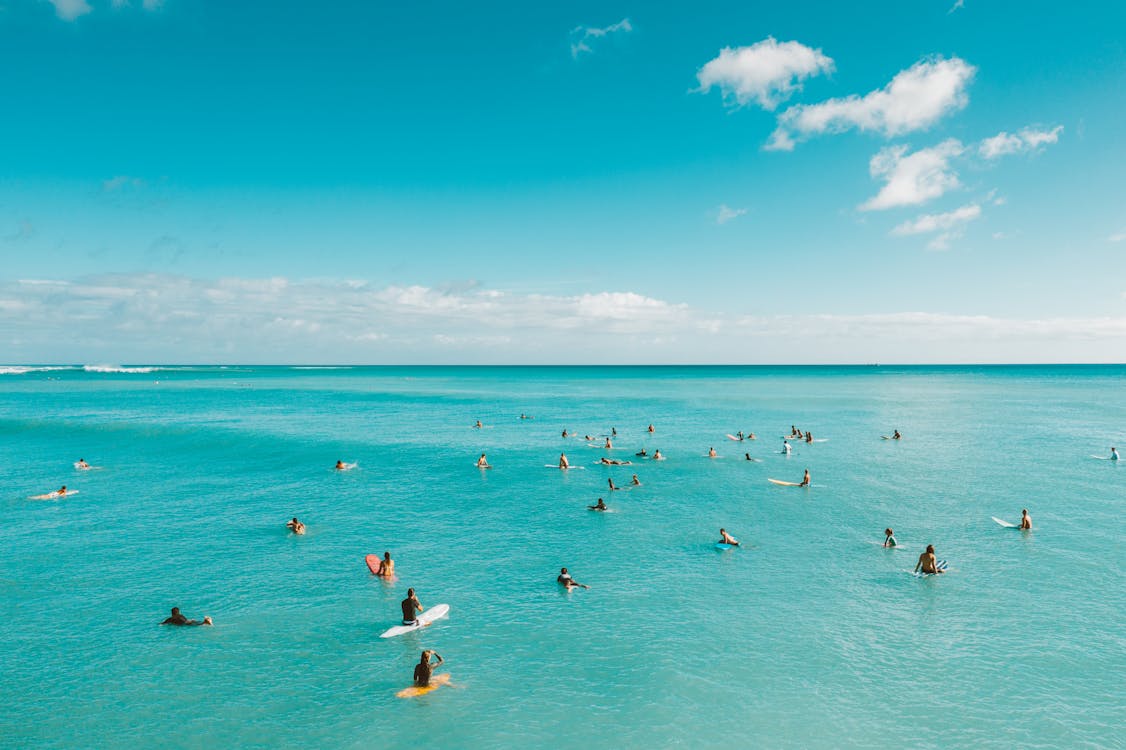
x: 608, y: 444
x: 725, y: 538
x: 889, y: 538
x: 411, y: 606
x: 635, y: 481
x: 340, y: 466
x: 179, y: 619
x: 483, y: 463
x: 425, y: 668
x: 1113, y: 454
x: 928, y: 563
x: 1025, y: 520
x: 386, y: 566
x: 566, y: 579
x: 805, y: 479
x: 600, y: 505
x: 295, y: 526
x: 478, y: 425
x: 711, y: 453
x: 643, y: 453
x: 563, y: 462
x: 651, y: 430
x: 82, y: 464
x: 786, y: 447
x: 896, y: 436
x: 611, y: 482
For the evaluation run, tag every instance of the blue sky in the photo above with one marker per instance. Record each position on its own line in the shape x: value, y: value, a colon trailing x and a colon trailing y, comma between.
x: 368, y: 182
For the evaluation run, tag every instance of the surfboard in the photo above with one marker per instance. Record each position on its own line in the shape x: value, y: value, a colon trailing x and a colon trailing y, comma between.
x: 724, y: 546
x: 733, y: 437
x: 424, y: 619
x: 1006, y: 524
x: 54, y: 495
x: 486, y: 466
x: 87, y: 467
x: 784, y: 484
x: 557, y: 466
x: 373, y: 562
x: 1103, y: 458
x: 345, y: 467
x: 436, y: 681
x: 940, y: 565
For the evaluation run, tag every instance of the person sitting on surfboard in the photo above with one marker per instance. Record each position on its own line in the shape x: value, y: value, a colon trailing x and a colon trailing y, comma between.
x: 563, y: 462
x: 896, y: 436
x: 1025, y: 520
x: 805, y: 479
x: 295, y: 526
x: 809, y: 437
x: 740, y: 434
x: 711, y: 453
x: 786, y: 447
x: 386, y: 566
x: 725, y: 538
x: 566, y: 579
x: 610, y: 480
x: 425, y: 668
x: 483, y: 463
x: 635, y: 481
x: 1113, y: 454
x: 651, y: 430
x: 179, y: 619
x: 411, y: 607
x: 889, y: 538
x: 928, y: 563
x: 657, y: 455
x: 600, y: 505
x: 608, y: 444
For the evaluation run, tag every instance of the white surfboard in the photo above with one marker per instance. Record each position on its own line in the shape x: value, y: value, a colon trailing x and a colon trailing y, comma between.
x: 557, y: 466
x: 424, y: 619
x: 1104, y: 458
x: 940, y: 566
x: 1006, y: 524
x: 733, y: 437
x: 784, y: 484
x: 54, y: 495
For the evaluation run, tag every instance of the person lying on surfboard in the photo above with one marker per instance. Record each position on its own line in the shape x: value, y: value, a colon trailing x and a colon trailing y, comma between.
x: 566, y: 579
x: 425, y: 668
x: 411, y: 607
x: 600, y: 505
x: 1025, y: 520
x: 889, y: 538
x: 386, y: 566
x: 178, y: 619
x: 805, y: 479
x: 295, y: 526
x: 725, y: 538
x: 82, y: 464
x: 928, y: 562
x: 613, y: 462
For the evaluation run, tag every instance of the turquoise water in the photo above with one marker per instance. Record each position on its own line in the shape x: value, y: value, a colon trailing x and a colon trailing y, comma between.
x: 811, y: 635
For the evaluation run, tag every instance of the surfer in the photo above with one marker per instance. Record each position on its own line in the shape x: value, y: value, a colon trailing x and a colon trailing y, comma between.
x: 82, y: 464
x: 651, y: 430
x: 411, y: 607
x: 425, y: 668
x: 740, y: 435
x: 809, y: 437
x: 340, y: 466
x: 643, y: 453
x: 928, y: 563
x: 564, y: 433
x: 295, y: 526
x: 563, y: 462
x: 896, y: 436
x: 889, y: 538
x: 600, y: 505
x: 566, y: 579
x: 483, y: 463
x: 657, y: 455
x: 478, y: 425
x: 635, y: 481
x: 751, y: 436
x: 61, y: 491
x: 711, y: 453
x: 1025, y: 520
x: 786, y: 447
x: 805, y: 479
x: 386, y: 566
x: 614, y: 431
x: 612, y: 486
x: 614, y: 462
x: 608, y: 444
x: 725, y: 538
x: 178, y: 619
x: 1113, y: 454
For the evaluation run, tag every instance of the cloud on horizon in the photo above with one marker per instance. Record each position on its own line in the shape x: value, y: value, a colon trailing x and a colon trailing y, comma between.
x: 768, y: 72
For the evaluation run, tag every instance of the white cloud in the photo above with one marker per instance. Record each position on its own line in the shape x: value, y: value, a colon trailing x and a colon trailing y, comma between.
x: 121, y: 181
x: 958, y: 5
x: 768, y: 72
x: 949, y: 225
x: 911, y: 179
x: 1117, y: 237
x: 1027, y: 139
x: 69, y: 10
x: 725, y: 213
x: 914, y: 99
x: 581, y: 36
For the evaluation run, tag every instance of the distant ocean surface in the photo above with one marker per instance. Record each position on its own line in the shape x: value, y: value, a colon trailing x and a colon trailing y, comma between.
x: 809, y: 636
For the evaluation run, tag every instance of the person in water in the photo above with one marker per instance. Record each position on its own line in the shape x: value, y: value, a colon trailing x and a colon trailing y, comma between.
x: 657, y: 455
x: 386, y: 566
x: 1025, y: 520
x: 635, y: 481
x: 748, y: 457
x: 809, y: 437
x: 805, y: 479
x: 608, y: 444
x: 651, y: 430
x: 61, y: 491
x: 1113, y: 454
x: 614, y: 431
x: 928, y: 563
x: 600, y: 505
x: 643, y: 453
x: 564, y: 433
x: 82, y: 464
x: 725, y: 538
x: 563, y: 462
x: 614, y: 462
x: 711, y: 453
x: 786, y: 447
x: 178, y: 619
x: 478, y: 425
x: 896, y: 436
x: 566, y: 579
x: 483, y: 463
x: 411, y: 607
x: 889, y: 538
x: 425, y: 668
x: 340, y: 466
x: 739, y: 434
x: 295, y: 526
x: 610, y: 480
x: 751, y: 436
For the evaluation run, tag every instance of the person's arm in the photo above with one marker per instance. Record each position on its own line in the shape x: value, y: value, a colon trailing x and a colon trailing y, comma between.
x: 418, y: 605
x: 440, y: 659
x: 918, y: 564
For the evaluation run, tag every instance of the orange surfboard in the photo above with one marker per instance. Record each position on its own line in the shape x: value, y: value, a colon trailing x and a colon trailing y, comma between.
x: 436, y: 682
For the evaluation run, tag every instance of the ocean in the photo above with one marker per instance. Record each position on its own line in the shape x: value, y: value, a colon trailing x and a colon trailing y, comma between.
x: 810, y: 635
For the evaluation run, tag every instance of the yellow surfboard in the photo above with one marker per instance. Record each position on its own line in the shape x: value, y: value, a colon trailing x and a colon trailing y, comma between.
x: 436, y: 682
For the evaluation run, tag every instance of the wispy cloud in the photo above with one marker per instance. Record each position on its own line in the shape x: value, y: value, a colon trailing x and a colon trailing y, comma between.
x: 69, y: 10
x: 948, y: 225
x: 583, y: 36
x: 725, y: 213
x: 1026, y: 139
x: 768, y: 72
x: 911, y: 179
x: 119, y: 182
x: 1117, y: 237
x: 915, y: 98
x: 958, y: 5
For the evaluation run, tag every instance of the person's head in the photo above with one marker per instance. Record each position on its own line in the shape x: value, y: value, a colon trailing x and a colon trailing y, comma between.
x: 1024, y: 511
x: 295, y: 520
x: 386, y: 555
x: 82, y: 460
x: 425, y: 657
x: 723, y: 531
x: 562, y: 571
x: 410, y: 593
x: 207, y: 620
x: 175, y: 611
x: 887, y: 532
x: 930, y: 548
x: 63, y: 488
